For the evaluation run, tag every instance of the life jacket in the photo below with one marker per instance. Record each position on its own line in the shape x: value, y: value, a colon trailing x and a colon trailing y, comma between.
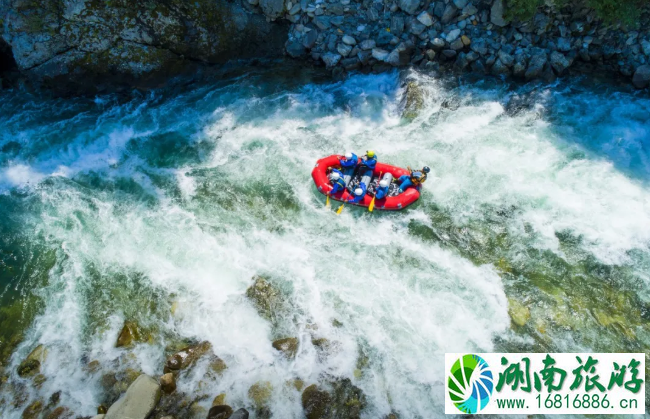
x: 340, y: 181
x: 418, y: 177
x: 381, y: 193
x: 370, y: 163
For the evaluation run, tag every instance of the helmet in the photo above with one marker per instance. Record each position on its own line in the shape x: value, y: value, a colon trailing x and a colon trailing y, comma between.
x: 370, y: 153
x: 348, y: 155
x: 335, y: 176
x: 358, y: 191
x: 329, y: 169
x: 426, y: 169
x: 383, y: 183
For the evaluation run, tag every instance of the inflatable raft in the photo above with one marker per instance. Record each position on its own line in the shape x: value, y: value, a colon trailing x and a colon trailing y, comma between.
x: 393, y: 202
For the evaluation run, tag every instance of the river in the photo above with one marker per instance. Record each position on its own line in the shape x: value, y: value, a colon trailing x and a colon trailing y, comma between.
x: 161, y: 208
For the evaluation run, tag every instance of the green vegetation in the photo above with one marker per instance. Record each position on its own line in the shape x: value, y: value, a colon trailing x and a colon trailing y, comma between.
x: 610, y: 11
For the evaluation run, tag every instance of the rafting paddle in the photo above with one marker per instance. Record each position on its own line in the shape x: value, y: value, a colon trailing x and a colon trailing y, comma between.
x: 338, y: 211
x: 372, y: 203
x: 327, y: 201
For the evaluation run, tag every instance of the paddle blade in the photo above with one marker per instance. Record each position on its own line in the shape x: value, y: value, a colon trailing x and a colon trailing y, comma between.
x: 338, y: 211
x: 372, y: 204
x: 327, y: 201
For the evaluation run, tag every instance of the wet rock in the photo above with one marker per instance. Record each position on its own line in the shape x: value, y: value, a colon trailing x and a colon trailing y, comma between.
x: 32, y: 364
x: 380, y: 54
x: 315, y: 402
x: 186, y: 357
x: 348, y: 40
x: 219, y: 400
x: 496, y: 14
x: 240, y: 414
x: 33, y: 411
x: 101, y: 409
x: 449, y: 53
x: 59, y: 413
x: 220, y: 412
x: 641, y: 78
x: 310, y: 38
x: 500, y: 68
x: 217, y: 364
x: 330, y: 59
x: 260, y: 393
x: 457, y: 45
x: 519, y: 313
x: 168, y: 383
x: 438, y: 43
x: 344, y: 49
x: 507, y: 59
x: 453, y: 35
x: 367, y: 44
x: 129, y: 334
x: 466, y: 40
x: 102, y: 416
x: 519, y: 69
x: 558, y: 62
x: 267, y: 299
x: 348, y: 401
x: 140, y: 399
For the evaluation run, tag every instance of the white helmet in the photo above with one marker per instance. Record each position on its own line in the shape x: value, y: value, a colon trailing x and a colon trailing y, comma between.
x: 358, y: 191
x: 383, y: 183
x: 348, y: 155
x: 335, y: 176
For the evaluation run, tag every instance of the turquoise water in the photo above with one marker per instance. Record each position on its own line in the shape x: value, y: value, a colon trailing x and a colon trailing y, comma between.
x: 160, y: 209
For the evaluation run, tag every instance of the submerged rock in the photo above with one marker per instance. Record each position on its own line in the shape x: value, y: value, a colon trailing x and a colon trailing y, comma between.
x: 260, y: 393
x: 267, y: 299
x: 240, y: 414
x: 413, y: 100
x: 641, y: 78
x: 32, y: 364
x: 220, y: 412
x: 186, y: 357
x: 130, y: 333
x: 140, y: 399
x: 168, y: 383
x: 219, y: 400
x: 288, y: 346
x: 348, y: 400
x: 315, y: 402
x: 519, y: 313
x: 33, y: 411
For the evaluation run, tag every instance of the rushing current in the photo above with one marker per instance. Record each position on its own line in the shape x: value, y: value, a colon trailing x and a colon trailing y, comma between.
x: 531, y: 233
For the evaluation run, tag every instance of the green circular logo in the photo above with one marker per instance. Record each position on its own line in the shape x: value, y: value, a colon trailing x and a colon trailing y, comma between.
x: 470, y: 383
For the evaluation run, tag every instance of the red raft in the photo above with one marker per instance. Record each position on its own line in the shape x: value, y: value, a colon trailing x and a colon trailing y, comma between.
x: 390, y: 203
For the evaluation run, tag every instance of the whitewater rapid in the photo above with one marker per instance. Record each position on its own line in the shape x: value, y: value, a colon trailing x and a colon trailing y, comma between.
x: 162, y: 208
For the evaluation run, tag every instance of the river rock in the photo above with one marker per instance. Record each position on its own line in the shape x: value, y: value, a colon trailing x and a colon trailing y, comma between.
x: 558, y: 62
x: 348, y: 40
x: 315, y: 402
x: 288, y: 346
x: 641, y: 78
x: 507, y: 59
x: 535, y: 67
x: 32, y: 364
x: 33, y: 411
x: 449, y: 13
x: 186, y: 357
x: 425, y: 18
x: 457, y: 45
x: 453, y: 35
x: 272, y: 8
x: 240, y: 414
x: 60, y: 412
x: 168, y: 383
x: 266, y: 298
x: 348, y: 401
x: 260, y: 393
x: 496, y: 14
x: 499, y: 68
x: 139, y: 400
x: 367, y: 44
x: 130, y: 333
x: 344, y: 49
x: 330, y: 59
x: 220, y: 412
x: 310, y: 38
x: 518, y: 312
x: 295, y: 48
x: 379, y: 54
x: 409, y: 6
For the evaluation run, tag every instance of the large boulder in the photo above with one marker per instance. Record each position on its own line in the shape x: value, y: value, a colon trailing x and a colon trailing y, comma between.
x: 32, y: 364
x: 267, y: 299
x: 129, y: 334
x: 641, y: 78
x: 288, y: 347
x: 315, y: 402
x: 535, y: 66
x: 139, y: 400
x: 413, y: 100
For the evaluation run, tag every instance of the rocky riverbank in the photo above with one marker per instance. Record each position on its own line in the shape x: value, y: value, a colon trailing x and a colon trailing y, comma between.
x: 83, y: 46
x: 129, y: 393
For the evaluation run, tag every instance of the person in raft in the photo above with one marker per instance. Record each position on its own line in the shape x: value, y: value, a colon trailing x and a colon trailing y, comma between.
x: 368, y: 163
x: 336, y: 178
x: 415, y: 179
x: 382, y: 190
x: 359, y: 194
x: 349, y: 161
